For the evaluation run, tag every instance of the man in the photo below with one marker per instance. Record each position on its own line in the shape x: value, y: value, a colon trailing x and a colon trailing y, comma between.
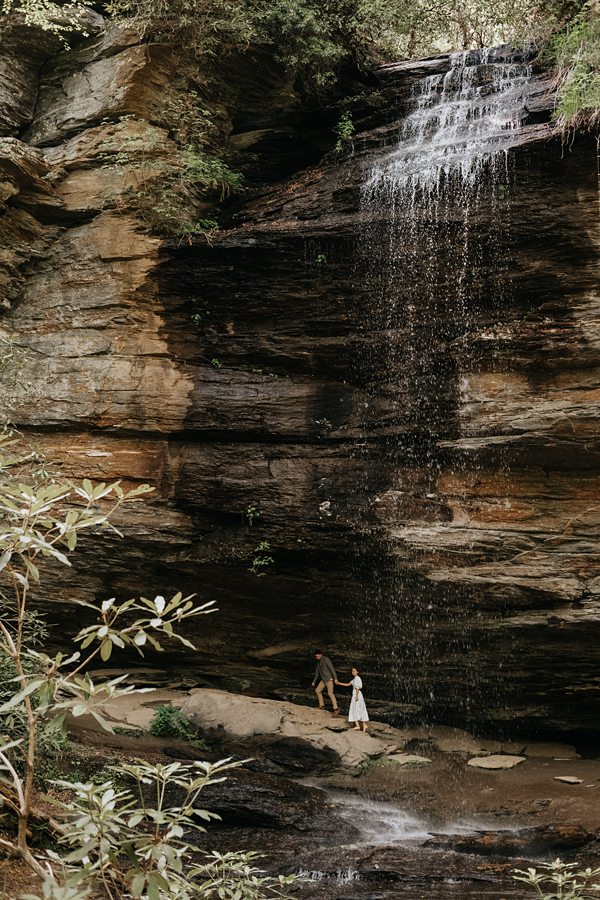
x: 324, y: 678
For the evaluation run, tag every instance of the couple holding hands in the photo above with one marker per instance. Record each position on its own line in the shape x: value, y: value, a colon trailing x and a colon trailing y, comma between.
x: 325, y: 677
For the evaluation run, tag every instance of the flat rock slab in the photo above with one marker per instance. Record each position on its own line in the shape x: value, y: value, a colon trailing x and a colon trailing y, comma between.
x: 137, y: 710
x: 568, y: 779
x: 495, y: 762
x: 226, y: 715
x: 408, y: 759
x: 549, y: 750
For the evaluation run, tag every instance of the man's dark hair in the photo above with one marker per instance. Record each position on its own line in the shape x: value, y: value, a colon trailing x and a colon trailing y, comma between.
x: 317, y: 651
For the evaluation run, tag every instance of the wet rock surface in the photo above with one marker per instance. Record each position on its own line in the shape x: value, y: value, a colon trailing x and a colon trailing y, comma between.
x: 285, y: 755
x: 429, y: 519
x: 544, y: 840
x: 258, y: 799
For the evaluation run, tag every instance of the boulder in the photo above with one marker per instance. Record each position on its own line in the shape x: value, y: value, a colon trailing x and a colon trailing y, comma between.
x: 220, y: 714
x: 232, y: 715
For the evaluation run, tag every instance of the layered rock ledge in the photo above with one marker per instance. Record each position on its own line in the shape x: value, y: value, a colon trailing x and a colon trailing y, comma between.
x: 437, y: 525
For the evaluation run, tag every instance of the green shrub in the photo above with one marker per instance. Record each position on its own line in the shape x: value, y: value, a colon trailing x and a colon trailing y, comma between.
x: 169, y: 721
x: 344, y: 131
x: 170, y: 203
x: 575, y: 50
x: 43, y: 14
x: 210, y: 173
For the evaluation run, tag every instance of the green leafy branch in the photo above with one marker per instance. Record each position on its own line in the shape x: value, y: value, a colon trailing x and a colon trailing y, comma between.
x: 561, y: 881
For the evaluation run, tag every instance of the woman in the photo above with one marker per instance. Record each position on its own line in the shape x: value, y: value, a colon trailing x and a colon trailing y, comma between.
x: 358, y: 711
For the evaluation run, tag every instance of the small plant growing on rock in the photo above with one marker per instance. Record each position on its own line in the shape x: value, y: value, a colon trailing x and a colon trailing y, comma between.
x: 171, y: 202
x: 252, y: 513
x: 344, y: 131
x: 261, y: 560
x: 575, y: 50
x: 169, y: 721
x: 561, y: 881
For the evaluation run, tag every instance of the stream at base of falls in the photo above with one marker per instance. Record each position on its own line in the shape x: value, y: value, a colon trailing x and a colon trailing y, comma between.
x: 379, y: 822
x: 366, y: 849
x: 389, y: 857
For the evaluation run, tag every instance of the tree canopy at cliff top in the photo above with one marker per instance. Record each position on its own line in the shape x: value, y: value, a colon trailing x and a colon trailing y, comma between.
x: 315, y: 39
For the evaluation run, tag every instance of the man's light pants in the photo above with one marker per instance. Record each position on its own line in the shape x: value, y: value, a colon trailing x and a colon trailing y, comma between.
x: 319, y: 691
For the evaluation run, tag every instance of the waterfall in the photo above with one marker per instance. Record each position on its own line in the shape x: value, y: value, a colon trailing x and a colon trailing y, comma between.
x: 434, y: 262
x: 421, y: 250
x: 462, y: 122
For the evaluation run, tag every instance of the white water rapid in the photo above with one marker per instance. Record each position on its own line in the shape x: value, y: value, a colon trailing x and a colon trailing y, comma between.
x: 379, y: 822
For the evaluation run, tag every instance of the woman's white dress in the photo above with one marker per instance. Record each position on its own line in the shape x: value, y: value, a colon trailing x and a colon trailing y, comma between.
x: 358, y: 710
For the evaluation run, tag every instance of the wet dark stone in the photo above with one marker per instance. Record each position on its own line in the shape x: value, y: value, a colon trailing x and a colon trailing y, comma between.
x: 292, y: 755
x: 550, y: 840
x: 276, y: 755
x: 262, y: 800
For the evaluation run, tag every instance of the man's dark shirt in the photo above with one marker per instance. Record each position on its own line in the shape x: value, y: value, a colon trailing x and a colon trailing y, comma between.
x: 324, y: 671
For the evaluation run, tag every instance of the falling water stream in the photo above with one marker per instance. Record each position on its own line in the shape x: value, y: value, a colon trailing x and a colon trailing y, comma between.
x: 435, y: 222
x: 420, y: 197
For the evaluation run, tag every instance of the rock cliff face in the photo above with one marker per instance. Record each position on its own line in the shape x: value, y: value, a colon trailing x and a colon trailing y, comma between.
x: 432, y: 517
